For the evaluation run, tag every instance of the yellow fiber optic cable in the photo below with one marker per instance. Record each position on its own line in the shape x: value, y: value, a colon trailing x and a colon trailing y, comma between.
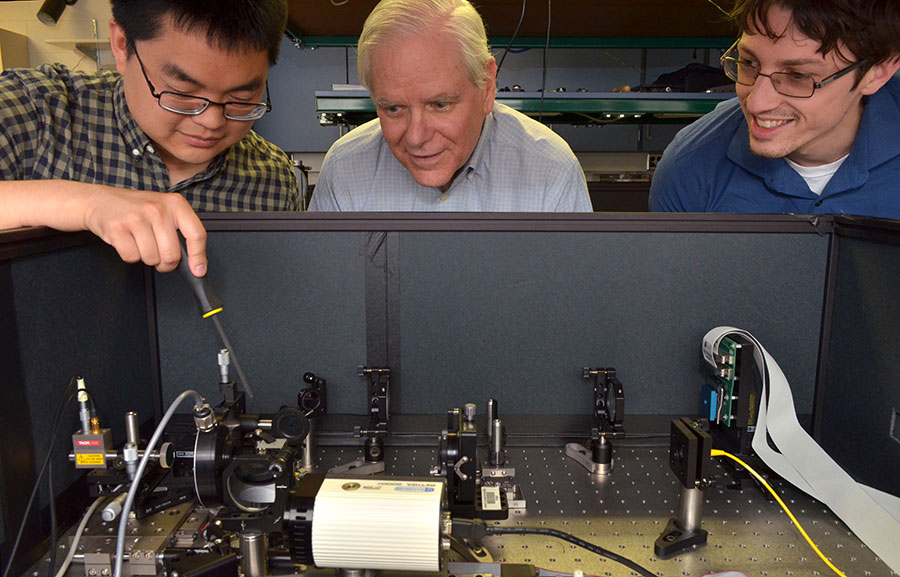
x: 758, y: 477
x: 722, y: 10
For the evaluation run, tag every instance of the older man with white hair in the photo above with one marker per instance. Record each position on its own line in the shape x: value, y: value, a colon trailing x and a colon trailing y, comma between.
x: 441, y: 142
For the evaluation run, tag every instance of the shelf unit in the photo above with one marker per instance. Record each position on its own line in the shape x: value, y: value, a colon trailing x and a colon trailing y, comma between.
x: 90, y: 47
x: 588, y: 24
x: 713, y: 42
x: 354, y: 107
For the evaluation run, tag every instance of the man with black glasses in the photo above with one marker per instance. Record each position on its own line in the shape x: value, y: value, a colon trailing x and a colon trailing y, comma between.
x: 131, y: 156
x: 814, y: 127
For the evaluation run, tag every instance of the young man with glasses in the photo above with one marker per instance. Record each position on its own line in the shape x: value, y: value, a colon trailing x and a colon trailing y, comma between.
x: 131, y: 155
x: 814, y: 126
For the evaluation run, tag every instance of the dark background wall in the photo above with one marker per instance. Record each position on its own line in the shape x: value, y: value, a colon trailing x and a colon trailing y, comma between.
x: 74, y: 311
x: 514, y: 314
x: 861, y: 392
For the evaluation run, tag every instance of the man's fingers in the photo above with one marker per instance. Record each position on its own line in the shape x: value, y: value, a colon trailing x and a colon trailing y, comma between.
x: 168, y: 246
x: 194, y: 234
x: 126, y: 247
x: 133, y: 239
x: 143, y: 226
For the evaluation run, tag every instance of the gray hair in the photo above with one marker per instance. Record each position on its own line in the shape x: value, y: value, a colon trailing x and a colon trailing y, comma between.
x: 393, y: 19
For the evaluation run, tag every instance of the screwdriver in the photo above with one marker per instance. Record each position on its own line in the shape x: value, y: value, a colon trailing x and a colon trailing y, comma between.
x: 210, y: 306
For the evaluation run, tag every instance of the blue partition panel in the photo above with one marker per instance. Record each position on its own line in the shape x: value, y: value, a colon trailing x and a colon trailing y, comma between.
x: 516, y: 315
x: 294, y: 302
x: 513, y: 314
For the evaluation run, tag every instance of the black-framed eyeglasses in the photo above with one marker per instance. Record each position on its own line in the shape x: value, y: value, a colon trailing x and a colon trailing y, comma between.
x: 191, y: 105
x: 793, y: 84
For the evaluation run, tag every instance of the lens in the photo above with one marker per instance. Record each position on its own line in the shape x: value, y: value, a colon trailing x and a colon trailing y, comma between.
x: 182, y: 103
x: 250, y: 111
x: 746, y: 74
x: 791, y: 84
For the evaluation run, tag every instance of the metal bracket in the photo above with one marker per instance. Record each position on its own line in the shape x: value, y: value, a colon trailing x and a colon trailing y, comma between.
x: 582, y: 456
x: 498, y: 472
x: 313, y: 400
x: 379, y: 399
x: 504, y: 477
x: 689, y: 458
x: 457, y: 468
x: 609, y: 401
x: 359, y: 467
x: 608, y: 415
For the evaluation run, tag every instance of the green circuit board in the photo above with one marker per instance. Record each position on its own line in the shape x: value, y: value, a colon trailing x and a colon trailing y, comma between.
x: 726, y: 375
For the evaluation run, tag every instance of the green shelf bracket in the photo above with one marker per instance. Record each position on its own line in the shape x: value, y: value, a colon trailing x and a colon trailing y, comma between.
x: 354, y: 107
x: 312, y: 42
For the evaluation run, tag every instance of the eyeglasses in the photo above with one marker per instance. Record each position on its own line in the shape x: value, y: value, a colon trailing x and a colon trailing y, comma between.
x: 793, y: 84
x: 191, y: 105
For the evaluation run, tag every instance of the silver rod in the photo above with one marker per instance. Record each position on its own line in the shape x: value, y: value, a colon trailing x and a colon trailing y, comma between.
x: 309, y: 448
x: 689, y: 509
x: 497, y: 436
x: 254, y: 550
x: 132, y: 428
x: 234, y: 358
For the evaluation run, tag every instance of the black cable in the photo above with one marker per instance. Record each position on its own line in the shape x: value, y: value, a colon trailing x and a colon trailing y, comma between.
x: 53, y: 517
x: 544, y: 65
x: 53, y: 535
x: 574, y: 540
x: 37, y: 483
x: 622, y: 438
x: 571, y: 435
x: 512, y: 39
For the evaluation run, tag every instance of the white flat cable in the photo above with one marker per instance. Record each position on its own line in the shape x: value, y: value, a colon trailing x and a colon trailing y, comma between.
x: 874, y: 516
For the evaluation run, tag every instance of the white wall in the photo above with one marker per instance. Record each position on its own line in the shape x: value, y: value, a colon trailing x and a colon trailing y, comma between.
x: 76, y: 23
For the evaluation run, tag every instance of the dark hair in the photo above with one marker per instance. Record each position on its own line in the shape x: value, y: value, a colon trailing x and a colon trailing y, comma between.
x: 870, y: 29
x: 228, y: 24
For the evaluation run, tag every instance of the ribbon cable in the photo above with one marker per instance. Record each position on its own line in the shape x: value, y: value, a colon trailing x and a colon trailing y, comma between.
x: 874, y: 516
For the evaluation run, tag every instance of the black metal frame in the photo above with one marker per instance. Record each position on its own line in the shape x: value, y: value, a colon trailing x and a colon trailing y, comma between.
x: 382, y: 297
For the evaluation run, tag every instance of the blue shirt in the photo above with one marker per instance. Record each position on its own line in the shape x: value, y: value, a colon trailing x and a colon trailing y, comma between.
x: 518, y: 165
x: 709, y: 167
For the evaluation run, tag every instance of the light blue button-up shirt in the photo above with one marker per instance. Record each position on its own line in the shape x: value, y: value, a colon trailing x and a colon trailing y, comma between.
x: 518, y: 165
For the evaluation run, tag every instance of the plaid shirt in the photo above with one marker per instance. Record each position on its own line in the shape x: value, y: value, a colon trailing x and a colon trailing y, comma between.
x: 56, y: 123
